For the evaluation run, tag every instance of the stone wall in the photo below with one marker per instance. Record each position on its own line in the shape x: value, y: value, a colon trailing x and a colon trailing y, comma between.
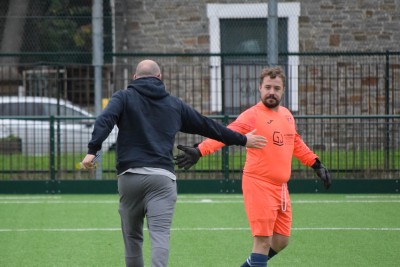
x: 339, y: 25
x: 181, y: 26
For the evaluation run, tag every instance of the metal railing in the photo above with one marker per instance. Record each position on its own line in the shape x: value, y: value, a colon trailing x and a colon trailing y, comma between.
x: 352, y: 147
x: 347, y: 108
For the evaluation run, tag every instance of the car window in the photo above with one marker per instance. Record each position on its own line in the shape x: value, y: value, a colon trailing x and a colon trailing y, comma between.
x: 53, y: 109
x: 21, y: 109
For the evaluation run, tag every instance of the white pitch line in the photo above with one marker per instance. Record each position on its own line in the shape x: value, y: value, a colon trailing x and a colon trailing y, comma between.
x: 343, y: 201
x: 200, y: 201
x: 194, y: 196
x: 209, y: 201
x: 390, y: 196
x: 346, y: 229
x: 189, y: 197
x: 58, y: 202
x: 200, y: 229
x: 59, y: 229
x: 28, y: 197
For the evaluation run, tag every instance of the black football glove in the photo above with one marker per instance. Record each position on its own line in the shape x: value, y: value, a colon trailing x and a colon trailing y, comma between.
x: 189, y: 158
x: 322, y: 173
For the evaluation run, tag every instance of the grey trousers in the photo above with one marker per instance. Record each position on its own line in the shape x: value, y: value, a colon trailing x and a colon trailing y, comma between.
x: 153, y: 196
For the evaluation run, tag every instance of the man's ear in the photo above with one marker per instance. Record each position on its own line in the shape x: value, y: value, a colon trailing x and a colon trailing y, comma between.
x: 134, y: 76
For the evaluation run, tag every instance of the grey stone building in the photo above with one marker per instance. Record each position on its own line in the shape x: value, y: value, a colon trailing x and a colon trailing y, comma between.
x: 307, y: 26
x: 183, y: 26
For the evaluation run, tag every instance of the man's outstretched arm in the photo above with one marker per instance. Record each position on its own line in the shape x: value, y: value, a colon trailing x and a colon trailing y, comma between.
x: 192, y: 154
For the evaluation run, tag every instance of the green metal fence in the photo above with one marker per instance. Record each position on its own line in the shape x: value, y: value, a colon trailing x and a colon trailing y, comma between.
x: 346, y: 105
x: 352, y: 147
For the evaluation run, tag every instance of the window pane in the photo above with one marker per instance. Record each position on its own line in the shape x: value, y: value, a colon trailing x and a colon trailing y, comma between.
x: 241, y: 72
x: 243, y: 35
x: 63, y: 111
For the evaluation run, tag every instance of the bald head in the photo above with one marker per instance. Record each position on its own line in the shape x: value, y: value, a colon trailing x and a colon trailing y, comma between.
x: 147, y: 68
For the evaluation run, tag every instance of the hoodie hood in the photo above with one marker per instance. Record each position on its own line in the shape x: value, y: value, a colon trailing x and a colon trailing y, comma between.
x: 150, y: 87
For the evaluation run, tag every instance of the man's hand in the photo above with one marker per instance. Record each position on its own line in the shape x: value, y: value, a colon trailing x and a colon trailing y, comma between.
x: 89, y: 162
x: 255, y: 141
x: 322, y: 173
x: 190, y: 156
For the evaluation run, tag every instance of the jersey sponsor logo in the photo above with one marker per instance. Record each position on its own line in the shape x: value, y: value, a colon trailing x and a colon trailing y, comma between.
x: 289, y: 139
x: 289, y: 118
x: 277, y: 139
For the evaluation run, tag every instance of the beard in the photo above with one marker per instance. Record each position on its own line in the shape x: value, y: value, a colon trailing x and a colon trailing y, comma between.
x: 271, y: 102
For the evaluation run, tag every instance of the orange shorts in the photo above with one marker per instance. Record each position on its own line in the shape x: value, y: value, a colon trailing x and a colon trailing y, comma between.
x: 268, y: 207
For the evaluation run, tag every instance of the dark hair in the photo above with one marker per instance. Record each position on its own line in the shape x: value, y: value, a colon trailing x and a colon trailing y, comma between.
x: 273, y: 72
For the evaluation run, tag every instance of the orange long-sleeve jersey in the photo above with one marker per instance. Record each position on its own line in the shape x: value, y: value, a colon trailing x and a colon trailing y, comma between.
x: 273, y: 162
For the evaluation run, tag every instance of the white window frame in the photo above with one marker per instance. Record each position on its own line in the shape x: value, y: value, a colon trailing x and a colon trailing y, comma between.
x: 215, y: 12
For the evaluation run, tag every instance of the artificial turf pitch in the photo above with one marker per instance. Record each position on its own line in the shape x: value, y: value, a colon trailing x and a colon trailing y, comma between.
x: 208, y: 231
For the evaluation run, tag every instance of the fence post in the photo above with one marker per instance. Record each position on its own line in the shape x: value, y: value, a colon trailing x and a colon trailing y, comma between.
x: 272, y: 32
x: 52, y: 150
x: 225, y: 158
x: 387, y: 109
x: 97, y: 62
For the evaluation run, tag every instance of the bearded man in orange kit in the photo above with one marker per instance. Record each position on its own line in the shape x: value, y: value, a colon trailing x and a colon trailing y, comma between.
x: 267, y: 170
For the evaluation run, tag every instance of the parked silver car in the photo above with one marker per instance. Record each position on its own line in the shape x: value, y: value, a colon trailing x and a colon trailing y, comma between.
x: 32, y: 129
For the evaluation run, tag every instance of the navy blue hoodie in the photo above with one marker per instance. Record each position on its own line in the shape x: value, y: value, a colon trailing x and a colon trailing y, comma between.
x: 148, y: 118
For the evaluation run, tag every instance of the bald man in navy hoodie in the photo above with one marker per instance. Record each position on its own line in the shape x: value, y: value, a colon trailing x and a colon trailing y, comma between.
x: 148, y: 118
